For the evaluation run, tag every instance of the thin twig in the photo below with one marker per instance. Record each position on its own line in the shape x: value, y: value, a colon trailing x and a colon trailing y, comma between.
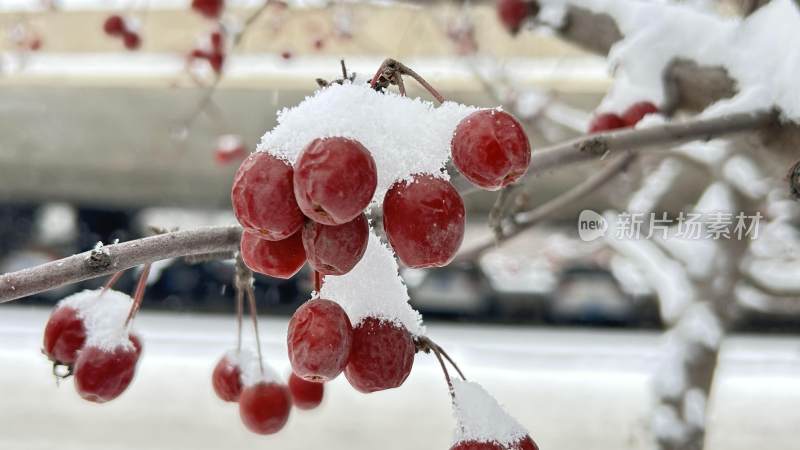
x: 527, y: 220
x: 239, y: 316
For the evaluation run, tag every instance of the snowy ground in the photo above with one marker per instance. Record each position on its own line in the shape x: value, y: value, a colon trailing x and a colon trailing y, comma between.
x: 572, y: 389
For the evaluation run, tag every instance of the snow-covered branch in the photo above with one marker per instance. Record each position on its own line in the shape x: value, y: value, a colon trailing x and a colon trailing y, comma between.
x: 106, y: 260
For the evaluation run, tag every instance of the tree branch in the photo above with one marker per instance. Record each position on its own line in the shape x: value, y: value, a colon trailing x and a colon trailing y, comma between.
x: 673, y: 133
x: 526, y: 220
x: 106, y: 260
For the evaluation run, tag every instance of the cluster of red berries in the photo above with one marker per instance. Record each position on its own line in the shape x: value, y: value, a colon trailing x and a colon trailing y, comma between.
x: 210, y: 9
x: 631, y: 116
x: 512, y: 13
x: 213, y: 52
x: 264, y: 406
x: 101, y: 373
x: 117, y: 26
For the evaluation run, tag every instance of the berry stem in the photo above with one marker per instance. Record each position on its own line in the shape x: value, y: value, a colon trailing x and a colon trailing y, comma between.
x: 139, y: 294
x: 244, y: 283
x: 426, y: 345
x: 239, y: 314
x: 111, y: 281
x: 251, y: 299
x: 317, y: 281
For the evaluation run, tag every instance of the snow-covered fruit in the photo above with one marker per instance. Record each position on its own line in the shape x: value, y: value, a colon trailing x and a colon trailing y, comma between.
x: 103, y: 374
x: 490, y: 149
x: 637, y: 111
x: 227, y: 378
x: 334, y: 180
x: 64, y: 335
x: 264, y: 407
x: 335, y: 249
x: 424, y: 220
x: 263, y: 197
x: 305, y: 394
x: 381, y: 356
x: 483, y: 424
x: 229, y: 148
x: 512, y: 13
x: 319, y: 340
x: 208, y: 8
x: 606, y: 122
x: 279, y: 259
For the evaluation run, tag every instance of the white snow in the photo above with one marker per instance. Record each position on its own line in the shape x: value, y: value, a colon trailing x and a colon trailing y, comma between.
x: 694, y: 408
x: 404, y: 135
x: 374, y: 289
x: 103, y: 317
x: 656, y: 33
x: 229, y: 143
x: 250, y: 369
x: 700, y: 325
x: 666, y: 425
x: 480, y: 417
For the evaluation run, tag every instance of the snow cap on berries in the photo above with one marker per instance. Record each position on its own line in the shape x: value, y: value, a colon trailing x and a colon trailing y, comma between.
x: 405, y: 135
x: 251, y: 373
x: 103, y: 317
x: 374, y: 289
x: 480, y: 418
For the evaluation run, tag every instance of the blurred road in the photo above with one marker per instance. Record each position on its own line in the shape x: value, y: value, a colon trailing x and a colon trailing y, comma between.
x: 574, y: 390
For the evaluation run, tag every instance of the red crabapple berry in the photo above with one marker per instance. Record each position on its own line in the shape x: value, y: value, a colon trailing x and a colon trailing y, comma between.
x: 606, y: 122
x: 305, y: 394
x: 102, y: 375
x: 229, y: 149
x: 279, y: 259
x: 525, y: 443
x: 424, y: 221
x: 131, y: 40
x: 114, y: 25
x: 264, y: 407
x: 512, y: 13
x: 476, y: 445
x: 208, y: 8
x: 334, y: 180
x: 263, y: 197
x: 335, y: 249
x: 381, y: 356
x: 490, y: 149
x: 227, y: 379
x: 64, y: 335
x: 319, y: 340
x: 637, y: 111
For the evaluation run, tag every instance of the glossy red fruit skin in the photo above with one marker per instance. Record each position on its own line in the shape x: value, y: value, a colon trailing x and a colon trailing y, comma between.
x: 637, y: 111
x: 335, y: 249
x: 381, y: 357
x: 305, y: 394
x: 137, y: 344
x: 208, y: 8
x: 64, y: 335
x: 512, y: 13
x: 263, y: 197
x: 525, y: 443
x: 606, y: 122
x: 319, y: 340
x: 102, y: 375
x: 264, y: 407
x: 334, y: 180
x: 227, y: 380
x: 114, y: 26
x: 132, y: 41
x: 424, y: 221
x: 474, y: 445
x: 279, y: 259
x: 490, y: 149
